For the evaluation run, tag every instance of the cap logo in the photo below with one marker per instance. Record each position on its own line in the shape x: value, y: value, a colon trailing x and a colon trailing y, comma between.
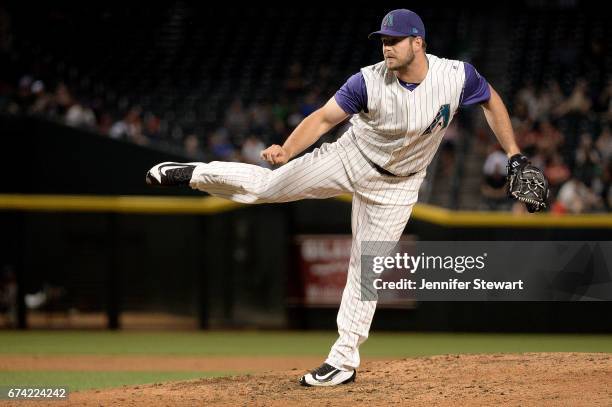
x: 388, y: 21
x: 415, y: 31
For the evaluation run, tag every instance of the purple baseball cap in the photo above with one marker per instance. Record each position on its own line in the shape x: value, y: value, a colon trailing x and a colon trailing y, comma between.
x: 401, y: 23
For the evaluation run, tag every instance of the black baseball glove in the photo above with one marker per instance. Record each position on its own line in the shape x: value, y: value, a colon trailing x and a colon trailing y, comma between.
x: 527, y: 183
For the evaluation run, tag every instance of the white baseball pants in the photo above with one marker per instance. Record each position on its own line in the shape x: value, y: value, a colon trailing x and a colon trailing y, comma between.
x: 381, y: 207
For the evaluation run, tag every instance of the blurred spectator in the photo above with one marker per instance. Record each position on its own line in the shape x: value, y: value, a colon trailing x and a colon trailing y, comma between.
x: 575, y: 197
x: 23, y: 99
x: 294, y: 119
x: 130, y: 127
x: 604, y: 102
x: 220, y: 145
x: 493, y: 187
x: 251, y: 149
x: 152, y: 127
x: 62, y: 100
x: 49, y: 298
x: 525, y: 136
x: 604, y: 144
x: 556, y: 172
x: 192, y: 146
x: 578, y: 102
x: 496, y: 159
x: 448, y: 147
x: 537, y: 105
x: 310, y: 104
x: 176, y: 133
x: 81, y: 116
x: 261, y: 118
x: 280, y: 109
x: 527, y: 97
x: 587, y: 161
x: 119, y: 130
x: 42, y: 100
x: 548, y: 98
x: 236, y: 119
x: 279, y: 132
x: 105, y: 123
x: 520, y: 111
x: 548, y: 139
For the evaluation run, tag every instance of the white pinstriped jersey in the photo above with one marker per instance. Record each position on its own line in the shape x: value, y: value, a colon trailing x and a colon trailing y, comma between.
x: 402, y: 129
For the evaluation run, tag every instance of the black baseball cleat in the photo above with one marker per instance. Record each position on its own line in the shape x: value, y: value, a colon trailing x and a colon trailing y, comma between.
x: 170, y: 174
x: 327, y: 375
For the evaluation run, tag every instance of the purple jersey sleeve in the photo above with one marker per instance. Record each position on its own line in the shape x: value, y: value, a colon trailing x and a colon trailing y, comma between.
x: 476, y: 88
x: 352, y: 97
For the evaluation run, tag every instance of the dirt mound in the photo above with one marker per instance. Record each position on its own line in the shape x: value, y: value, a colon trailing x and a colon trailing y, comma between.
x: 449, y: 380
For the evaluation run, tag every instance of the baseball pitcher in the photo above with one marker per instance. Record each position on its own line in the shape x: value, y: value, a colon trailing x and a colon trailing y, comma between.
x: 400, y: 109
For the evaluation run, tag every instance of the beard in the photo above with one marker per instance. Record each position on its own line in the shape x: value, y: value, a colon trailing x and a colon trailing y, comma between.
x: 397, y: 64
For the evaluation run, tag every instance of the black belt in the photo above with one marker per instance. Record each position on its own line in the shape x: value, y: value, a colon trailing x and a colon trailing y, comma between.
x: 378, y: 168
x: 382, y: 171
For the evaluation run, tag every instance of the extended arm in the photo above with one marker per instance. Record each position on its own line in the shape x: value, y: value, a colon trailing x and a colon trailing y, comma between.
x: 306, y: 133
x: 527, y: 183
x: 499, y: 121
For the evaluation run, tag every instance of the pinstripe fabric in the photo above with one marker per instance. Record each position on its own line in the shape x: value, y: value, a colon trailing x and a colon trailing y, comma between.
x: 381, y: 208
x: 316, y: 175
x: 390, y: 135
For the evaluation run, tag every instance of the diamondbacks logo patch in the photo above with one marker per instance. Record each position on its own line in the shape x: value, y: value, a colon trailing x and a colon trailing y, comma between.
x: 440, y: 121
x: 388, y: 21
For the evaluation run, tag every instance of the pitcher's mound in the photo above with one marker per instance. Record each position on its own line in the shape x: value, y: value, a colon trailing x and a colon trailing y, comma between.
x: 568, y: 379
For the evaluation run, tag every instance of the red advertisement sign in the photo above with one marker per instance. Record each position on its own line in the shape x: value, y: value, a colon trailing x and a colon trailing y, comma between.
x: 323, y: 262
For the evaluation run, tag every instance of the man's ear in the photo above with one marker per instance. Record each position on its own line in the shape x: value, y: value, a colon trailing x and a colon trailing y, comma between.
x: 418, y: 41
